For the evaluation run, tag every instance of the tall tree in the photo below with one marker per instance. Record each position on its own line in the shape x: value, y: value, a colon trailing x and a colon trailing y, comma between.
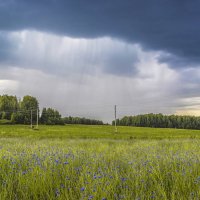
x: 51, y: 117
x: 29, y: 104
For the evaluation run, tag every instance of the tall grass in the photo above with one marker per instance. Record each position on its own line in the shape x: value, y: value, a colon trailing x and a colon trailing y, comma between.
x: 99, y: 169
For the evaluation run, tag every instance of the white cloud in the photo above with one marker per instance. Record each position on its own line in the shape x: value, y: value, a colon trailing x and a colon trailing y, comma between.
x: 69, y: 56
x: 189, y: 106
x: 8, y: 86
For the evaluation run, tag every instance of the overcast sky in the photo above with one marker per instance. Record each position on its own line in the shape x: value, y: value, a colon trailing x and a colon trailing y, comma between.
x: 83, y: 57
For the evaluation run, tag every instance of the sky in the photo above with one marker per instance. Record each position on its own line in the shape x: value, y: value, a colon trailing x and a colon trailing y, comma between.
x: 84, y: 57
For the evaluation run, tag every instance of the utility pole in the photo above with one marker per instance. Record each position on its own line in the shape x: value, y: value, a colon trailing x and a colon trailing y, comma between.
x: 31, y: 119
x: 115, y: 118
x: 37, y: 117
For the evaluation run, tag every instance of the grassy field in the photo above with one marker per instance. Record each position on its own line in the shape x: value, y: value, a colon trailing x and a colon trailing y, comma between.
x: 92, y: 162
x: 95, y: 132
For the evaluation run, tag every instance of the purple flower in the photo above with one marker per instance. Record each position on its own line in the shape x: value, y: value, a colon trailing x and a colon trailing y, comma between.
x: 24, y: 172
x: 82, y: 189
x: 123, y: 179
x: 94, y: 176
x: 57, y: 193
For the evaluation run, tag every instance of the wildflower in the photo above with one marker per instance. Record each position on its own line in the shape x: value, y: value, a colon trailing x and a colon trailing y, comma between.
x: 153, y: 194
x: 94, y: 176
x: 123, y: 179
x: 90, y: 197
x: 82, y: 189
x: 66, y: 163
x: 24, y: 172
x: 57, y: 193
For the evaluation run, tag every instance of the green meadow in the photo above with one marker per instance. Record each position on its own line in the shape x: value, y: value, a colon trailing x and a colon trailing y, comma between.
x: 75, y: 162
x: 95, y: 132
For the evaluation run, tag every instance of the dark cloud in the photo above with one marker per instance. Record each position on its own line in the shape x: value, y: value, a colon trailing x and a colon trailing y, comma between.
x: 7, y: 48
x: 167, y: 25
x: 179, y: 62
x: 120, y: 63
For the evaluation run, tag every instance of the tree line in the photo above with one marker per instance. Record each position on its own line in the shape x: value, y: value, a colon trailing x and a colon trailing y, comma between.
x: 81, y: 120
x: 160, y: 121
x: 16, y: 111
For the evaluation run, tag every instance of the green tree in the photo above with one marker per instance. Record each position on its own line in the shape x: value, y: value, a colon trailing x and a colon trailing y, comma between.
x: 51, y: 117
x: 27, y: 105
x: 8, y: 104
x: 44, y: 118
x: 13, y: 118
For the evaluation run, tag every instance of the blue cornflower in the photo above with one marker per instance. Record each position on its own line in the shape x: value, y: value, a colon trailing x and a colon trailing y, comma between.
x: 24, y: 172
x: 123, y: 179
x: 94, y: 176
x: 66, y: 163
x: 82, y: 189
x: 57, y: 193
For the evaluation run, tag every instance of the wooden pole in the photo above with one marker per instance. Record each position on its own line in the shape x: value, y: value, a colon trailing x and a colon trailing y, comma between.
x: 31, y: 119
x: 115, y: 118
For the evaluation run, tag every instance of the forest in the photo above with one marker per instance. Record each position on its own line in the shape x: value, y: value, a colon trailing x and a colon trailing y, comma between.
x: 160, y: 121
x: 81, y: 120
x: 17, y: 111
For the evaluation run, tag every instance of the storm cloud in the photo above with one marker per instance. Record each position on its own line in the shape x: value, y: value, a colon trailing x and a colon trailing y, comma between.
x: 170, y: 26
